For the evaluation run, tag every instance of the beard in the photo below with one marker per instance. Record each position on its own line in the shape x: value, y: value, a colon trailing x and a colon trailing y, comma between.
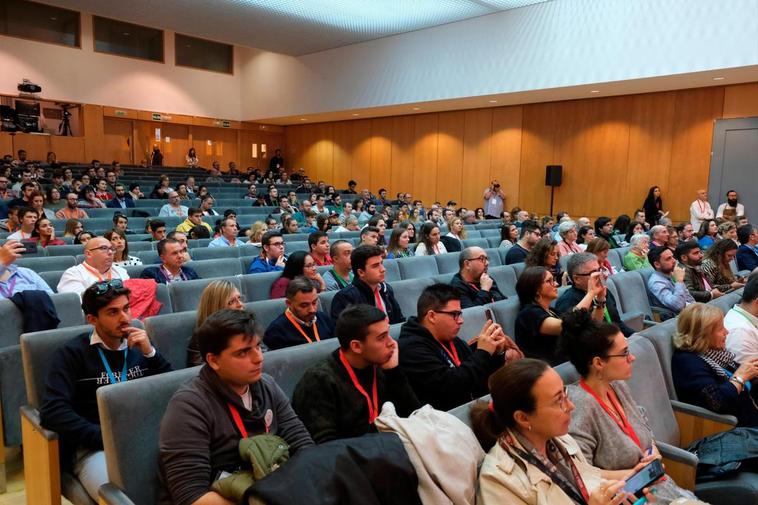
x: 733, y: 203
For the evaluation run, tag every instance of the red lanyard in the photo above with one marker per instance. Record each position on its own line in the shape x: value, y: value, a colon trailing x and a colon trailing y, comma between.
x: 452, y: 352
x: 373, y: 401
x: 379, y: 301
x: 622, y: 423
x: 701, y: 206
x: 300, y: 329
x: 238, y: 420
x: 96, y: 273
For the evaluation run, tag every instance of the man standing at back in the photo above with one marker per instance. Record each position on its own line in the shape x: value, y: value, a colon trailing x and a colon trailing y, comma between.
x: 494, y: 199
x: 472, y: 281
x: 530, y: 235
x: 97, y: 267
x: 700, y: 210
x: 113, y: 351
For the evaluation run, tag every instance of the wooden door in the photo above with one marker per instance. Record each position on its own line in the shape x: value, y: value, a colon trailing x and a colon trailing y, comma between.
x: 117, y: 142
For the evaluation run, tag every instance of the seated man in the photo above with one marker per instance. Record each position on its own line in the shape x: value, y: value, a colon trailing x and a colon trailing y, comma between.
x: 690, y: 255
x: 121, y: 200
x: 171, y: 269
x: 742, y: 323
x: 341, y: 274
x: 368, y: 285
x: 530, y: 235
x: 443, y: 369
x: 97, y: 266
x: 194, y: 218
x: 13, y: 278
x: 272, y: 257
x: 341, y: 396
x: 369, y: 235
x: 747, y: 255
x: 666, y: 286
x: 230, y: 399
x: 27, y: 217
x: 173, y: 207
x: 113, y: 351
x: 157, y: 229
x: 318, y: 242
x: 228, y: 237
x: 474, y: 285
x: 579, y: 268
x: 301, y: 322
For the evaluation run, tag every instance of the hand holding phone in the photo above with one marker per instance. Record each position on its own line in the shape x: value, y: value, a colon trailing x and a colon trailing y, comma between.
x: 646, y: 476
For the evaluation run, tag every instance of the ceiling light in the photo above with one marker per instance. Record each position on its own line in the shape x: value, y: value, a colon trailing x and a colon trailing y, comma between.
x: 493, y: 101
x: 417, y: 108
x: 126, y: 34
x: 303, y: 119
x: 718, y: 78
x: 53, y: 19
x: 356, y: 114
x: 594, y: 91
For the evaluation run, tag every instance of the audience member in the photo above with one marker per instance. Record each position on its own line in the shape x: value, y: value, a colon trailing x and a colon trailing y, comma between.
x: 228, y: 235
x: 194, y: 218
x: 530, y: 235
x: 442, y: 368
x: 637, y: 256
x: 97, y: 267
x: 370, y: 235
x: 88, y: 199
x: 457, y: 230
x: 27, y: 217
x: 318, y: 243
x: 545, y: 254
x: 38, y: 203
x: 157, y: 230
x: 206, y: 206
x: 134, y: 191
x: 217, y: 295
x: 368, y: 286
x: 112, y: 351
x: 301, y: 321
x: 528, y: 419
x: 13, y: 278
x: 586, y: 234
x: 299, y: 263
x: 341, y: 273
x: 604, y: 230
x: 568, y: 232
x: 691, y: 257
x: 700, y: 209
x: 173, y: 208
x: 685, y: 232
x: 475, y: 286
x: 399, y: 242
x: 429, y: 240
x: 742, y: 323
x: 494, y: 200
x: 608, y: 424
x: 172, y: 267
x: 44, y: 233
x: 659, y: 235
x: 665, y: 286
x: 271, y: 258
x: 728, y: 229
x: 600, y: 248
x: 83, y: 237
x: 229, y: 399
x: 708, y: 233
x: 653, y: 207
x: 731, y: 209
x: 120, y: 245
x: 508, y: 235
x: 747, y: 255
x: 705, y: 373
x: 717, y: 266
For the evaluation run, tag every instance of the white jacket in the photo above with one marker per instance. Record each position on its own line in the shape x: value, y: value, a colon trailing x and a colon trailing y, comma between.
x: 742, y: 339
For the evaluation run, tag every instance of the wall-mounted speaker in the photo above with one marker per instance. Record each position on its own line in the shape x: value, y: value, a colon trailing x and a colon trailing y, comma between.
x: 553, y: 175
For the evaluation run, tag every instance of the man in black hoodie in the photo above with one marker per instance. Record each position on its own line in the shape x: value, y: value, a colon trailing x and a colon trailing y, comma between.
x: 113, y: 351
x: 472, y: 281
x: 230, y: 399
x: 443, y: 369
x: 368, y: 285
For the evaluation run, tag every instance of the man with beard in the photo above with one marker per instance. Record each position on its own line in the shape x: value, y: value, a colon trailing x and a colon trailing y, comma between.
x: 472, y: 281
x: 732, y: 208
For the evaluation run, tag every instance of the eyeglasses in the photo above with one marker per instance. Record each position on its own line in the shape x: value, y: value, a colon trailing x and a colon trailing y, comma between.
x: 276, y: 244
x: 103, y: 287
x: 562, y: 401
x: 234, y: 301
x: 588, y: 273
x: 626, y: 355
x: 103, y: 248
x: 483, y: 259
x: 455, y: 314
x: 550, y: 281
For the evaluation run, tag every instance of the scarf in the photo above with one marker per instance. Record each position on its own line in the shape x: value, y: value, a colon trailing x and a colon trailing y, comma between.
x: 720, y: 360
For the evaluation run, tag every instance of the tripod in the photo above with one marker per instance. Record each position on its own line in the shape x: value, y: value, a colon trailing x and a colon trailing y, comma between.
x: 64, y: 128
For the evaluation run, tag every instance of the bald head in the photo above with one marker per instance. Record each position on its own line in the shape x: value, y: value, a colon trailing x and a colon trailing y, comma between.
x: 472, y: 263
x: 99, y: 254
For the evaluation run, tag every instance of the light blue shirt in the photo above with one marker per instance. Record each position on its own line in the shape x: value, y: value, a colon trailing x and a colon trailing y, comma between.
x: 21, y: 279
x: 665, y: 293
x: 169, y: 211
x: 221, y: 242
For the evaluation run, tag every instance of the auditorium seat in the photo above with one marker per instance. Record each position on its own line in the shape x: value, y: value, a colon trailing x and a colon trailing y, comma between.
x: 290, y: 247
x: 475, y: 242
x: 503, y: 251
x: 517, y: 267
x: 632, y: 293
x: 444, y: 278
x: 249, y: 250
x: 198, y: 242
x: 493, y: 254
x: 134, y: 271
x: 505, y: 277
x: 171, y: 334
x: 447, y: 263
x: 186, y: 295
x: 210, y: 253
x: 148, y: 257
x: 266, y: 310
x: 407, y: 293
x: 138, y: 245
x: 392, y: 273
x: 417, y: 267
x: 257, y: 287
x: 287, y: 365
x: 222, y: 267
x: 489, y: 232
x: 52, y: 278
x: 69, y: 309
x: 162, y: 295
x: 65, y: 250
x: 46, y: 264
x: 473, y: 321
x: 325, y: 301
x: 616, y: 259
x: 494, y: 241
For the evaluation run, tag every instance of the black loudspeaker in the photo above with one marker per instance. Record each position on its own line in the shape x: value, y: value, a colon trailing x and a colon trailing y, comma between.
x: 553, y: 175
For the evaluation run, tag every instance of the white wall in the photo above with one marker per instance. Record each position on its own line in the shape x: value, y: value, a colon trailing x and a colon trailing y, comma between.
x: 555, y: 44
x: 82, y: 75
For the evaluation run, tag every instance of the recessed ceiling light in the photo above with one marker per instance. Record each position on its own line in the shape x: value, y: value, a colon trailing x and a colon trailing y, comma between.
x: 356, y: 114
x: 126, y: 34
x: 417, y: 108
x: 303, y: 119
x: 718, y: 78
x: 493, y: 101
x: 594, y: 91
x: 53, y: 19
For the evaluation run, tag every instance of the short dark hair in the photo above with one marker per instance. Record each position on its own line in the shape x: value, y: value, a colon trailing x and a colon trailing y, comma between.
x: 361, y: 255
x: 684, y: 248
x: 299, y: 284
x: 527, y: 226
x: 156, y: 223
x: 219, y: 328
x: 314, y: 237
x: 194, y: 210
x: 654, y: 254
x: 529, y: 284
x: 161, y: 247
x: 266, y: 238
x: 334, y: 248
x: 353, y: 323
x: 172, y: 234
x: 118, y: 216
x: 26, y: 210
x: 744, y: 232
x: 133, y: 185
x: 582, y: 338
x: 352, y: 183
x: 369, y: 229
x: 92, y: 303
x: 199, y: 231
x: 435, y: 297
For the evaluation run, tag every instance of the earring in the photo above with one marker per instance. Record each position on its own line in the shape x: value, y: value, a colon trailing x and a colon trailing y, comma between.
x: 529, y: 427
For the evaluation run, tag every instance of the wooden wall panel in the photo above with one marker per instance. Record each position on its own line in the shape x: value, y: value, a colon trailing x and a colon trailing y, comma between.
x: 741, y: 100
x: 425, y: 157
x: 144, y: 139
x: 223, y: 146
x: 380, y: 172
x: 6, y: 144
x: 403, y: 135
x: 450, y: 156
x: 536, y: 152
x: 36, y: 146
x: 361, y: 153
x: 175, y: 151
x: 117, y: 140
x: 477, y: 157
x: 506, y: 151
x: 696, y: 110
x: 324, y: 153
x: 310, y: 139
x: 342, y: 155
x: 92, y: 121
x: 293, y: 153
x: 69, y: 148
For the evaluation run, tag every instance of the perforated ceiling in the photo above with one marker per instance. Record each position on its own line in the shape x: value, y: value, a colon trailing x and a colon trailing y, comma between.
x: 293, y: 27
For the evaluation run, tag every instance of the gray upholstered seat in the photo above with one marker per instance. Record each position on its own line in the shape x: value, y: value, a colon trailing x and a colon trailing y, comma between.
x: 392, y: 273
x: 505, y: 277
x: 291, y: 247
x: 135, y: 271
x: 444, y: 278
x: 505, y: 312
x: 249, y: 250
x: 220, y: 267
x: 266, y: 310
x: 517, y: 267
x: 47, y: 264
x: 616, y: 259
x: 489, y: 232
x: 162, y: 295
x: 148, y: 257
x: 407, y: 293
x: 473, y: 321
x: 726, y: 302
x: 493, y: 253
x: 287, y: 365
x: 209, y: 253
x: 138, y: 245
x: 258, y: 286
x: 186, y: 295
x: 632, y: 293
x: 69, y: 309
x: 171, y: 334
x: 476, y: 242
x: 503, y: 250
x: 52, y: 278
x: 494, y: 241
x: 417, y: 267
x: 447, y: 263
x: 65, y: 250
x: 325, y: 301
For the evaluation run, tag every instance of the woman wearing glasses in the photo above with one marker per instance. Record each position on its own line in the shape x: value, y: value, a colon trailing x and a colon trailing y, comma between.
x: 532, y: 459
x: 299, y: 263
x: 608, y: 425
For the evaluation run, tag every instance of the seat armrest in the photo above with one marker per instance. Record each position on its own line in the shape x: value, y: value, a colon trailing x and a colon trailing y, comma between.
x: 680, y: 465
x: 696, y: 422
x: 677, y: 454
x: 695, y: 410
x: 110, y: 494
x: 649, y: 323
x: 31, y: 415
x: 41, y: 464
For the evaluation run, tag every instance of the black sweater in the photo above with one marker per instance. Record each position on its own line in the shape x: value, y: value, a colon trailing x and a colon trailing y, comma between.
x: 282, y: 333
x: 433, y: 376
x: 474, y: 296
x: 331, y: 407
x: 76, y: 372
x: 359, y: 292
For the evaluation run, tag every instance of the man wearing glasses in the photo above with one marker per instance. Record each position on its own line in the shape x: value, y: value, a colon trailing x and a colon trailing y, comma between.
x: 272, y: 257
x: 442, y: 368
x: 97, y: 266
x: 112, y: 351
x: 472, y: 281
x: 588, y: 291
x: 173, y: 207
x: 530, y: 235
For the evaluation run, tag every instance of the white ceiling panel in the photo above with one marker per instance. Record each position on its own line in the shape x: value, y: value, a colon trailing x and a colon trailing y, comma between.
x: 294, y: 27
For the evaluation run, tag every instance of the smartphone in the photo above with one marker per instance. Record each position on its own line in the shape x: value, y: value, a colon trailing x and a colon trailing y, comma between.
x: 642, y: 479
x: 30, y: 247
x: 489, y: 315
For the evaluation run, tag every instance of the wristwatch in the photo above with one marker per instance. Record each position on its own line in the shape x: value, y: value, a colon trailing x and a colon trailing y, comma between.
x: 739, y: 380
x: 597, y: 303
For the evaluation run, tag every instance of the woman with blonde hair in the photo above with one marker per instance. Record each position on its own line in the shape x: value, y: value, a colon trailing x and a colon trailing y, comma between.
x: 216, y: 296
x: 73, y: 227
x: 705, y: 373
x: 457, y: 230
x: 256, y: 231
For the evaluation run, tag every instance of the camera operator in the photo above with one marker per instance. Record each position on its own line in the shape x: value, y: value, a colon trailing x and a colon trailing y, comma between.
x: 494, y: 199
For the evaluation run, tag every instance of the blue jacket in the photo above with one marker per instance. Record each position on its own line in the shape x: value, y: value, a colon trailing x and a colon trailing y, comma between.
x: 747, y: 258
x: 260, y: 265
x: 156, y: 273
x: 113, y: 204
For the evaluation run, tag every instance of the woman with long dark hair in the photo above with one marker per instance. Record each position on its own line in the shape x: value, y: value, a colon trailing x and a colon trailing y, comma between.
x: 298, y: 263
x: 429, y: 242
x: 653, y: 206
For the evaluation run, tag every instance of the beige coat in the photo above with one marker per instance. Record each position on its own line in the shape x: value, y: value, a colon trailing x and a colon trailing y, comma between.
x: 502, y: 479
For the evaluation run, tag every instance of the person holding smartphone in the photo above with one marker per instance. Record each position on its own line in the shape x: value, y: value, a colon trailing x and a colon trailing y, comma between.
x: 494, y: 199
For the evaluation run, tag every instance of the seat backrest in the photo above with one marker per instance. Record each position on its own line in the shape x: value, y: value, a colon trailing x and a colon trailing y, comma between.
x: 475, y: 242
x: 645, y: 384
x: 12, y: 393
x: 11, y: 323
x: 130, y: 416
x: 209, y: 253
x: 407, y: 293
x: 65, y: 250
x: 494, y: 240
x: 266, y: 310
x: 616, y: 259
x: 163, y: 296
x: 258, y: 286
x: 417, y: 267
x: 505, y: 277
x: 463, y: 412
x: 138, y: 245
x: 298, y: 245
x: 69, y: 309
x: 568, y: 373
x: 171, y: 334
x: 325, y: 301
x: 661, y: 336
x: 632, y: 293
x: 395, y: 330
x: 726, y: 302
x: 494, y: 255
x: 446, y: 263
x: 392, y: 273
x: 506, y: 311
x: 220, y: 267
x: 148, y: 257
x: 47, y: 264
x: 288, y: 365
x: 473, y: 321
x: 517, y: 267
x: 186, y: 295
x: 503, y: 251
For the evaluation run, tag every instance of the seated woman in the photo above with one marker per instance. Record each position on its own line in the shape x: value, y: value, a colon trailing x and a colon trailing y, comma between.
x: 457, y: 231
x: 429, y: 240
x: 608, y: 425
x: 88, y: 200
x: 121, y: 254
x: 298, y: 263
x: 705, y: 372
x: 620, y: 227
x: 479, y: 214
x: 636, y: 258
x: 633, y: 229
x: 708, y: 234
x: 537, y: 327
x: 216, y: 296
x: 600, y: 248
x: 54, y: 200
x: 728, y: 229
x: 44, y: 233
x: 38, y: 204
x: 73, y: 227
x: 83, y: 237
x: 399, y: 241
x: 586, y: 233
x: 508, y: 235
x: 569, y: 234
x: 545, y: 254
x: 716, y: 266
x: 532, y: 459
